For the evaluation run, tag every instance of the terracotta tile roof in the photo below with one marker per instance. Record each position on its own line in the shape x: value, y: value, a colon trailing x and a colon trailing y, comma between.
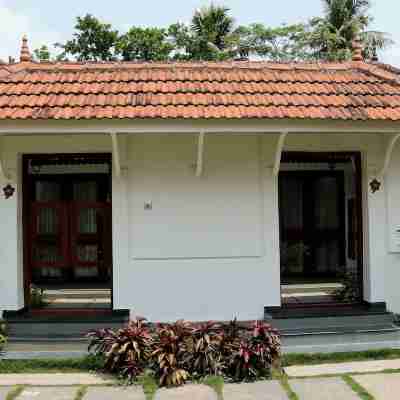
x: 346, y: 91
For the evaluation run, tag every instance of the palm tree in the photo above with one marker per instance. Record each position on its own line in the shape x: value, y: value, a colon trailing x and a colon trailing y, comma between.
x: 344, y: 21
x: 213, y: 29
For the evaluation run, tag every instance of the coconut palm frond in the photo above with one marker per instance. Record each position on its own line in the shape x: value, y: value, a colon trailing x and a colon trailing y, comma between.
x: 213, y: 24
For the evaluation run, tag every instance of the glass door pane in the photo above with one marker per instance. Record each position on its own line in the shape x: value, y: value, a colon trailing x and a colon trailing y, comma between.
x: 291, y: 206
x: 48, y: 236
x: 328, y: 224
x: 91, y: 231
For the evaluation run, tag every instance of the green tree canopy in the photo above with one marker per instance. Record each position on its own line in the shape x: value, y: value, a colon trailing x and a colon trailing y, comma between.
x: 42, y: 53
x: 93, y: 40
x: 283, y: 43
x: 332, y: 35
x: 213, y: 35
x: 210, y: 36
x: 147, y: 44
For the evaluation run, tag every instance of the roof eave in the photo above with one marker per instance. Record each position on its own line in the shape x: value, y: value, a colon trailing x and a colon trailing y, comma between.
x: 191, y: 126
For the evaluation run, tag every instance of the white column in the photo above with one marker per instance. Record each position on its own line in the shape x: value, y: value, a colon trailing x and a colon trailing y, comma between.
x: 271, y: 219
x: 120, y: 222
x: 375, y: 250
x: 11, y: 249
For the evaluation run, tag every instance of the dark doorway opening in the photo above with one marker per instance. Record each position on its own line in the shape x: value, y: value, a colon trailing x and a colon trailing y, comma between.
x: 320, y: 212
x: 67, y: 231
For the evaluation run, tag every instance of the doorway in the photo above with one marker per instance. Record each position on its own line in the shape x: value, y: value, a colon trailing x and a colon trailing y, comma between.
x: 67, y: 231
x: 320, y: 228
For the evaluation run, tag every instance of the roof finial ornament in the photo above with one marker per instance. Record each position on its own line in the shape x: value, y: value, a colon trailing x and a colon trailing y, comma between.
x: 25, y: 55
x: 357, y: 49
x: 375, y: 57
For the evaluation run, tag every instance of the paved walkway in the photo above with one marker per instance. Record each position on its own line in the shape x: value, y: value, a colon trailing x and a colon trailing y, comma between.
x: 342, y: 368
x: 380, y: 385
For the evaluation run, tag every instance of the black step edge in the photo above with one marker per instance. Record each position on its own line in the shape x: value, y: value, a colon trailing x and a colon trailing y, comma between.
x: 117, y: 316
x: 325, y: 311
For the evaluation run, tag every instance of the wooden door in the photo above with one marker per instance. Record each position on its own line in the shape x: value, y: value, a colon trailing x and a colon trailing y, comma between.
x: 90, y: 236
x: 326, y: 235
x: 49, y: 235
x: 70, y: 229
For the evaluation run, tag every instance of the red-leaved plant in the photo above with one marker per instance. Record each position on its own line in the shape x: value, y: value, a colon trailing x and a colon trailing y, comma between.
x: 170, y: 352
x: 250, y: 353
x: 173, y: 352
x: 204, y: 357
x: 126, y: 351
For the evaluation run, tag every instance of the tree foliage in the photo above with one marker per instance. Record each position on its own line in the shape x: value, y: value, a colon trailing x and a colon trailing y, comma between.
x: 213, y: 35
x: 283, y: 43
x: 210, y: 36
x: 147, y: 44
x: 93, y: 40
x: 42, y: 53
x: 344, y: 21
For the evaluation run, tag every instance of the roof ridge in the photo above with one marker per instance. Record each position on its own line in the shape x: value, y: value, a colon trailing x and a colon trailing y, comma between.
x: 72, y: 66
x: 383, y: 71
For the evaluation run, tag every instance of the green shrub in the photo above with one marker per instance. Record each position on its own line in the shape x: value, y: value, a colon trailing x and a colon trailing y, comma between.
x: 173, y: 353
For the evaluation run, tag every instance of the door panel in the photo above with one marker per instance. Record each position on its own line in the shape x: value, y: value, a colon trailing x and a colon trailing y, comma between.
x: 89, y: 234
x: 49, y: 234
x: 327, y: 233
x: 71, y: 227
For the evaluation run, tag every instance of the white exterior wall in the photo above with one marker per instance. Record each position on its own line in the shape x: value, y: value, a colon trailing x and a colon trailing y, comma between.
x: 391, y: 266
x: 209, y: 247
x: 11, y: 243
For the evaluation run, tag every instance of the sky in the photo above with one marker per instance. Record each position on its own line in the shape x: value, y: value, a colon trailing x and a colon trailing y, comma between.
x: 51, y: 21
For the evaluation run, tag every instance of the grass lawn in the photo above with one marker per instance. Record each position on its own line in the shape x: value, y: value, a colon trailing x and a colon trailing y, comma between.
x: 94, y: 363
x: 333, y: 358
x: 83, y: 364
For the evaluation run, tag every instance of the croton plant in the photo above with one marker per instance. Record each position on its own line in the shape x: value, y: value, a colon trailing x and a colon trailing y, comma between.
x: 176, y: 352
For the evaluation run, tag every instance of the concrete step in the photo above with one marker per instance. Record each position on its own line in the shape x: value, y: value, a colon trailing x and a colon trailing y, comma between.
x: 61, y: 327
x: 314, y: 342
x: 44, y: 349
x: 329, y: 324
x: 103, y: 294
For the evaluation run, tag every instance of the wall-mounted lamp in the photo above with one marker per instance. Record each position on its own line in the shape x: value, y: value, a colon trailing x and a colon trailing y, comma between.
x: 375, y: 185
x: 8, y: 191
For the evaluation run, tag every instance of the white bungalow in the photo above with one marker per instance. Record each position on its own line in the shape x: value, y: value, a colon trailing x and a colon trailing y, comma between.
x: 201, y: 190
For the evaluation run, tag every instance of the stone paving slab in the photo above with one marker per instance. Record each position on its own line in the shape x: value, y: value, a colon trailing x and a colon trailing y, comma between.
x: 187, y: 392
x: 322, y: 389
x: 53, y: 379
x: 4, y: 391
x: 49, y: 393
x: 115, y: 393
x: 381, y: 386
x: 342, y: 368
x: 268, y: 390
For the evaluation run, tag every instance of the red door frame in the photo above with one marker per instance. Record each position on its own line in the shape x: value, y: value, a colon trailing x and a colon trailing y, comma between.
x: 27, y: 190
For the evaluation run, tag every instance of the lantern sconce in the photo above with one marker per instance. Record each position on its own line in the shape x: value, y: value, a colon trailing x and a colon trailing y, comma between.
x: 8, y: 191
x: 375, y: 185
